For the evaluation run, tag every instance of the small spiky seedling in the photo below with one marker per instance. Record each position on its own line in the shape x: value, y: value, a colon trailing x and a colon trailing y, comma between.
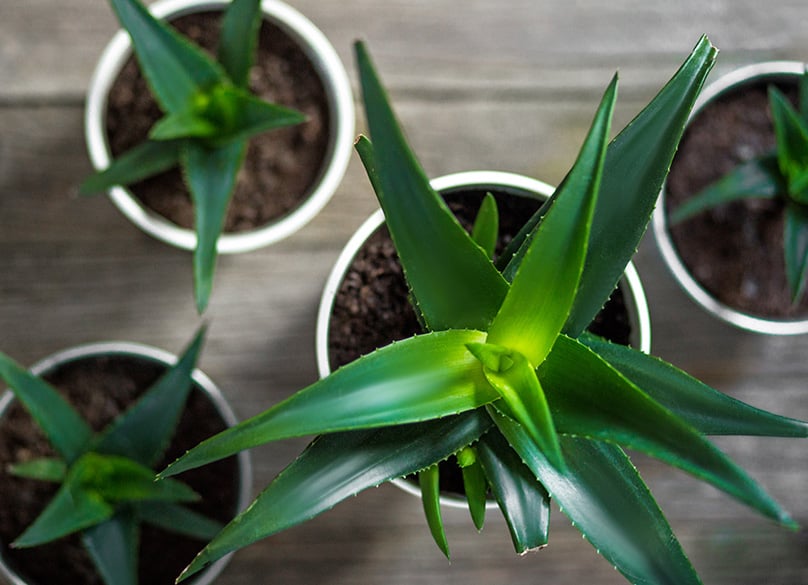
x: 107, y: 486
x: 506, y: 377
x: 209, y: 116
x: 781, y: 174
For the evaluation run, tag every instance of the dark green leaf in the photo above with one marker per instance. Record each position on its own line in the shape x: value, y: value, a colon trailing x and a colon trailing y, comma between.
x: 804, y: 95
x: 144, y: 431
x: 791, y: 133
x: 795, y: 241
x: 183, y: 124
x: 486, y: 225
x: 420, y: 378
x: 211, y: 176
x: 175, y: 69
x: 707, y: 410
x: 45, y: 469
x: 758, y: 178
x: 523, y: 500
x: 475, y: 485
x: 62, y: 425
x: 605, y: 498
x: 454, y: 283
x: 337, y: 466
x: 550, y: 262
x: 178, y: 519
x: 238, y: 39
x: 429, y: 480
x: 113, y: 547
x: 142, y: 161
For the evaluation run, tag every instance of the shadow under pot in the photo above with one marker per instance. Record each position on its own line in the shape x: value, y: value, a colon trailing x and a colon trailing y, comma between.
x: 365, y: 301
x: 100, y: 381
x: 729, y: 258
x: 288, y: 174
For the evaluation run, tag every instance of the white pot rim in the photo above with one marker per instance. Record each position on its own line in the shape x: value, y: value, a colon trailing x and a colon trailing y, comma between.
x: 341, y: 114
x: 686, y: 280
x: 137, y: 350
x: 636, y: 303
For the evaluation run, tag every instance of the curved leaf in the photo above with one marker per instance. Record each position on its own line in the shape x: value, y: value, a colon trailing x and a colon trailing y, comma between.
x: 337, y: 466
x: 795, y: 242
x: 140, y: 162
x: 44, y: 469
x: 420, y: 378
x: 485, y: 230
x: 238, y: 39
x: 429, y: 481
x: 791, y: 133
x: 113, y: 547
x: 178, y: 519
x: 475, y: 484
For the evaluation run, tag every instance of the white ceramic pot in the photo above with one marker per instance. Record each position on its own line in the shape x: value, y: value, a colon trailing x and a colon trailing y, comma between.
x: 728, y: 83
x: 341, y: 115
x: 150, y: 354
x: 518, y: 185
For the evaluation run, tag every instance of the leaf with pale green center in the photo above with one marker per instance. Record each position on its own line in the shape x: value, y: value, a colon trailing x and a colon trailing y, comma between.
x: 605, y: 498
x: 454, y: 283
x: 44, y: 469
x: 211, y: 177
x: 795, y: 242
x: 144, y: 431
x: 238, y: 39
x: 113, y: 547
x: 178, y: 519
x: 337, y: 466
x: 65, y: 429
x: 589, y: 398
x: 485, y: 230
x: 791, y: 133
x: 524, y: 502
x: 429, y: 482
x: 550, y: 263
x: 707, y: 410
x: 182, y: 124
x: 475, y: 485
x: 175, y: 69
x: 512, y: 376
x: 758, y: 178
x: 140, y: 162
x: 421, y: 378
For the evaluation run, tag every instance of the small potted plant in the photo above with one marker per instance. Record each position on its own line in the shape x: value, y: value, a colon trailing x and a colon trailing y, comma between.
x: 80, y: 435
x: 732, y: 222
x: 506, y: 378
x: 180, y: 140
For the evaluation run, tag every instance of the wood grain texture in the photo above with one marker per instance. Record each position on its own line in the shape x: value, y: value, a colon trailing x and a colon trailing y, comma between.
x: 478, y: 84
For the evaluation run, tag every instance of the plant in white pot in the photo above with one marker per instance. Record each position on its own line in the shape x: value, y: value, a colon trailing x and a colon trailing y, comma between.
x: 80, y: 434
x: 210, y: 117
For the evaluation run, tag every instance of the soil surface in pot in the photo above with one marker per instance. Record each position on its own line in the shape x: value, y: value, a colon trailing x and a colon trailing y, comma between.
x: 734, y: 250
x: 100, y: 388
x: 371, y: 308
x: 281, y: 166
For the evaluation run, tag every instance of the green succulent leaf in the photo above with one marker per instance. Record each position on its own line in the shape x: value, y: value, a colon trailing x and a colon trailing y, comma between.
x: 140, y: 162
x: 524, y: 502
x: 486, y: 225
x: 804, y: 95
x: 791, y: 133
x: 795, y: 240
x: 211, y: 176
x: 605, y: 498
x: 144, y: 431
x: 182, y: 124
x: 454, y: 283
x: 44, y: 469
x: 420, y: 378
x: 238, y: 39
x: 178, y: 519
x: 65, y: 429
x: 113, y: 547
x: 758, y: 178
x: 550, y: 262
x: 475, y: 484
x: 702, y: 407
x: 589, y: 398
x: 175, y: 69
x: 337, y: 466
x: 429, y: 481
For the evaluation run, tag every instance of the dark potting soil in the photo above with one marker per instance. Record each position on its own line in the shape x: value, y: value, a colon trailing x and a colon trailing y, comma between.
x: 280, y: 167
x: 734, y: 250
x: 100, y: 388
x: 371, y: 308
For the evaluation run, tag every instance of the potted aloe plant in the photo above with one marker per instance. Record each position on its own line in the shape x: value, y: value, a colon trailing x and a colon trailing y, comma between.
x: 506, y: 376
x: 732, y: 222
x: 80, y: 435
x: 252, y: 142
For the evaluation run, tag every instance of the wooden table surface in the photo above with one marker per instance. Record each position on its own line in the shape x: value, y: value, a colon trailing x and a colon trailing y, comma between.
x: 508, y: 85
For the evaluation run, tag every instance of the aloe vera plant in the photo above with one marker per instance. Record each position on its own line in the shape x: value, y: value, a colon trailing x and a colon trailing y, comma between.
x: 506, y: 377
x: 106, y: 481
x: 782, y: 173
x: 210, y: 114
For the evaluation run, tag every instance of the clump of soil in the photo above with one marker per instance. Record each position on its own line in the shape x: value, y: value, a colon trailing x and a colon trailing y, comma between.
x: 734, y: 250
x: 281, y: 166
x: 100, y: 388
